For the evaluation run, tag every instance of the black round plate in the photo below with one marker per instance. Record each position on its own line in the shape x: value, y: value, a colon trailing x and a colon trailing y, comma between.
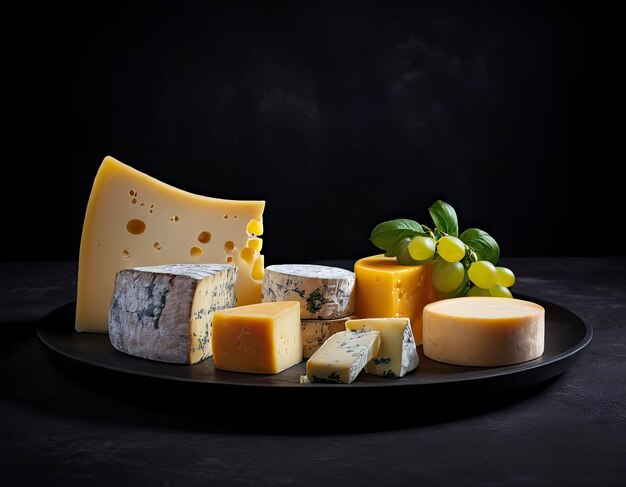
x: 566, y: 336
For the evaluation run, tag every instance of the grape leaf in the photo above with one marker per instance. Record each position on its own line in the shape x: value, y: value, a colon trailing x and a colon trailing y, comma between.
x: 444, y: 217
x: 482, y: 243
x: 387, y: 234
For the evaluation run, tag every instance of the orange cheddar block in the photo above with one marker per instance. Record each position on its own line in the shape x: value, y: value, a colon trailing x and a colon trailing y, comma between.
x: 262, y: 338
x: 386, y: 289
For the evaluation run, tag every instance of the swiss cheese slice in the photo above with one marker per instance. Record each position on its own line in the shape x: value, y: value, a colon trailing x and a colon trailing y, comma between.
x: 397, y: 354
x: 262, y: 338
x: 134, y: 220
x: 483, y: 331
x: 165, y: 313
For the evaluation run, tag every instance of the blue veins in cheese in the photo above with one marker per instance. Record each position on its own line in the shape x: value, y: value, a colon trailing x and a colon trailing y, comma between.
x: 324, y: 292
x: 397, y: 354
x: 316, y: 332
x: 165, y: 312
x: 343, y: 356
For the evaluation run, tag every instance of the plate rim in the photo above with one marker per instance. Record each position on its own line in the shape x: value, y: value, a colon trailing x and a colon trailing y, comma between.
x: 494, y: 372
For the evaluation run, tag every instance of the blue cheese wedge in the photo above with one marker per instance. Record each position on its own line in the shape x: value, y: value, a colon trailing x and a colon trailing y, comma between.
x: 316, y: 332
x: 324, y: 292
x: 343, y: 356
x: 397, y: 354
x: 165, y: 312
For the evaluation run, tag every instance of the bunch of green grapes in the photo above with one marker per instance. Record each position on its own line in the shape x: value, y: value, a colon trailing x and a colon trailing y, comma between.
x: 457, y: 270
x: 465, y: 264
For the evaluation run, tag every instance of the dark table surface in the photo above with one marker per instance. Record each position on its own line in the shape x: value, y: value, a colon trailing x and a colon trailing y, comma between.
x: 63, y: 422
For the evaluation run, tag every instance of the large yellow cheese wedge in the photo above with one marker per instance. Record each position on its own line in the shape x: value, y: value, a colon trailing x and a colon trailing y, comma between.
x: 134, y: 220
x: 385, y: 289
x: 483, y: 331
x: 260, y: 338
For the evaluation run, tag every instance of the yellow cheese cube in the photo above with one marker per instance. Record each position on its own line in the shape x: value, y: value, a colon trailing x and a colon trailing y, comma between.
x: 385, y: 289
x: 260, y: 338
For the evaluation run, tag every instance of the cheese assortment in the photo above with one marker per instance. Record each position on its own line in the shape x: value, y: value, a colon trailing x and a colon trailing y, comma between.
x: 483, y: 331
x: 397, y: 354
x: 386, y: 289
x: 179, y: 278
x: 165, y: 313
x: 343, y: 356
x: 262, y: 338
x: 134, y: 220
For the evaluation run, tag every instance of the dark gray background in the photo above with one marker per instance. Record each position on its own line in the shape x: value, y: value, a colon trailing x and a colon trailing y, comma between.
x: 340, y: 115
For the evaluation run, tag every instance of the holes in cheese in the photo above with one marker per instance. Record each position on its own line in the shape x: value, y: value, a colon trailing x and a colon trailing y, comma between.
x: 247, y: 255
x: 122, y: 245
x: 255, y: 227
x: 258, y: 268
x: 157, y: 246
x: 256, y: 244
x: 229, y: 246
x: 136, y: 227
x: 204, y: 237
x: 195, y: 251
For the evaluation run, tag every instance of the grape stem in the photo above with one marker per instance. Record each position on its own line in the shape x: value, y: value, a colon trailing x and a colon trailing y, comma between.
x: 432, y: 235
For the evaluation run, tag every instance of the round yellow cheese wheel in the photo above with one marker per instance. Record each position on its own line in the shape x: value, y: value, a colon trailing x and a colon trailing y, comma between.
x: 483, y: 331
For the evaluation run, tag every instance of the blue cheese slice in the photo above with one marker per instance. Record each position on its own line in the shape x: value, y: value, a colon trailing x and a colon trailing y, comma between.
x: 324, y: 292
x: 316, y: 332
x: 343, y: 356
x: 397, y: 354
x: 165, y: 312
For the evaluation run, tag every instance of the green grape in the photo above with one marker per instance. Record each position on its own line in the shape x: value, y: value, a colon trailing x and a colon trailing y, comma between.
x: 476, y: 291
x: 451, y: 249
x: 504, y: 277
x: 422, y: 248
x: 402, y: 252
x: 483, y: 274
x: 448, y: 276
x: 500, y: 292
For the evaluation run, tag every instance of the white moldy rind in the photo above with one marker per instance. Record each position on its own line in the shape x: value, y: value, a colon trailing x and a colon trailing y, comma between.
x: 165, y: 313
x: 316, y: 332
x: 324, y: 292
